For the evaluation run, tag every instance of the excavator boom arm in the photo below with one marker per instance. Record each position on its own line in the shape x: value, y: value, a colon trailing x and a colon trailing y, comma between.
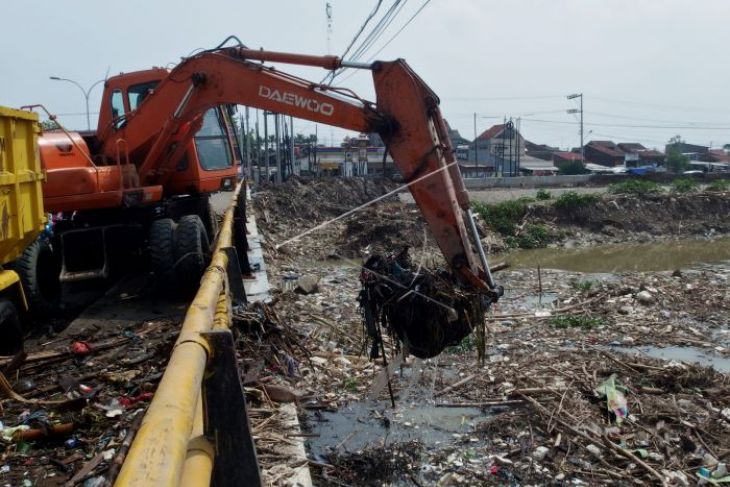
x: 406, y: 115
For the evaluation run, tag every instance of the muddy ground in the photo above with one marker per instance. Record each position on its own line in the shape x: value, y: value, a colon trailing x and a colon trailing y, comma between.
x: 587, y: 379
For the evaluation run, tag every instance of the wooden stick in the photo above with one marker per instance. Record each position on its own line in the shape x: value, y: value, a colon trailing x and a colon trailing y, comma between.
x: 626, y: 453
x: 456, y: 384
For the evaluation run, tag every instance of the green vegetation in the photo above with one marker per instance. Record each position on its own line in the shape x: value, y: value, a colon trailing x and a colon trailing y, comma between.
x: 502, y: 217
x: 676, y: 161
x: 350, y: 384
x: 719, y: 185
x: 48, y: 125
x: 568, y: 168
x: 582, y: 285
x: 576, y: 321
x: 532, y: 237
x: 543, y: 194
x: 571, y: 200
x: 684, y: 185
x: 639, y: 187
x: 467, y: 344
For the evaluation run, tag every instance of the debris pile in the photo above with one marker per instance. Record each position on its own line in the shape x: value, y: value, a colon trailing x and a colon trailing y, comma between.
x: 71, y: 408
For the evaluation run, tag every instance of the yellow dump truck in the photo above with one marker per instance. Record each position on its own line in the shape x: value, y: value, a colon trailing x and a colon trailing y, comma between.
x: 22, y: 220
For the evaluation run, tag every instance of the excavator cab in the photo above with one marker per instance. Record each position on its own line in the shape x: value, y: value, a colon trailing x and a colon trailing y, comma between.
x: 210, y: 162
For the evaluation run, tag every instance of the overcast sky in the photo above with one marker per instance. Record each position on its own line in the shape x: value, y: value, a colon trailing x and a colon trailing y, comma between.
x: 641, y: 64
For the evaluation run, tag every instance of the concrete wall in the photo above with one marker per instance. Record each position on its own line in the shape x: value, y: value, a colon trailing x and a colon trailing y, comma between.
x: 582, y: 180
x: 528, y: 182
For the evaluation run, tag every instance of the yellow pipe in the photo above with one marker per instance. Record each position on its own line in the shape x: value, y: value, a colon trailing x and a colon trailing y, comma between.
x: 198, y: 466
x: 158, y: 452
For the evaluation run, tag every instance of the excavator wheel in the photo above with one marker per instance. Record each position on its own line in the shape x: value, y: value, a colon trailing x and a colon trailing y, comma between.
x: 191, y: 251
x: 11, y: 330
x: 162, y: 254
x: 39, y: 269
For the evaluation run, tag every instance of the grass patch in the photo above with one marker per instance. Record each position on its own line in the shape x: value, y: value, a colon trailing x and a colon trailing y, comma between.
x: 543, y: 195
x: 639, y: 187
x: 684, y: 185
x: 576, y: 321
x: 532, y: 237
x: 467, y: 345
x: 719, y: 185
x: 502, y: 217
x: 350, y: 384
x: 570, y: 200
x: 582, y: 285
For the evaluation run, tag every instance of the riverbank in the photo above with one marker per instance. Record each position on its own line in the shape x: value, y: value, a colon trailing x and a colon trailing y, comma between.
x: 536, y: 410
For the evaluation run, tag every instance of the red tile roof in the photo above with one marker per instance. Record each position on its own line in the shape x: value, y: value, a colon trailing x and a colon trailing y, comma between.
x: 567, y: 156
x: 492, y: 132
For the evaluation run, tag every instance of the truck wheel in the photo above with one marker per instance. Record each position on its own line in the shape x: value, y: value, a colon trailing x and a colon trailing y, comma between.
x: 162, y: 253
x: 191, y: 251
x: 39, y: 269
x: 11, y: 331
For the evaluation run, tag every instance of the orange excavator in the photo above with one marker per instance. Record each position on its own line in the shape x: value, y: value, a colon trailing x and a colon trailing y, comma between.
x: 163, y: 142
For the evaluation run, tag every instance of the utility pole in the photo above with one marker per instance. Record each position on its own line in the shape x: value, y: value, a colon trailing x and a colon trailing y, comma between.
x: 266, y: 145
x: 258, y: 150
x: 277, y: 127
x: 248, y: 146
x: 316, y: 142
x: 582, y: 147
x: 291, y: 142
x: 86, y: 93
x: 476, y: 147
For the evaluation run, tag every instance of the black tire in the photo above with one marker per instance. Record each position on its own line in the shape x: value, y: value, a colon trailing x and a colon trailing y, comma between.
x: 11, y: 330
x: 39, y: 268
x: 191, y: 251
x: 162, y: 254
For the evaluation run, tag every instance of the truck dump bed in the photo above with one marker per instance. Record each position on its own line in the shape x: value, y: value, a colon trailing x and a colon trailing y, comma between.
x: 21, y: 202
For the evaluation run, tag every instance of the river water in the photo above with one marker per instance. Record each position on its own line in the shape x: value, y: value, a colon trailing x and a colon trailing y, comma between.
x: 662, y: 256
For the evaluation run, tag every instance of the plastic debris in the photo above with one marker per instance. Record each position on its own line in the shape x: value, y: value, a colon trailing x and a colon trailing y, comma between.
x: 614, y: 395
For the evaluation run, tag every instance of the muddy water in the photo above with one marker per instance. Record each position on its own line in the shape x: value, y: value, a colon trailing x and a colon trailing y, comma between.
x: 664, y: 256
x: 688, y: 355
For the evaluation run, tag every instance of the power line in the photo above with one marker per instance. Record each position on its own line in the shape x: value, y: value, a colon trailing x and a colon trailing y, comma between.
x: 597, y: 124
x: 393, y: 37
x: 400, y: 30
x: 357, y: 35
x: 610, y: 115
x: 657, y: 105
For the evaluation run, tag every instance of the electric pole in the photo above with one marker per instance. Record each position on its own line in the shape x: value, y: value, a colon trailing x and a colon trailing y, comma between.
x: 291, y: 143
x: 582, y: 147
x: 266, y: 145
x: 476, y: 146
x: 277, y: 128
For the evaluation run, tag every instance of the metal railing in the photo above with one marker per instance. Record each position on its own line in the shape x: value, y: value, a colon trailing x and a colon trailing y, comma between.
x: 196, y: 431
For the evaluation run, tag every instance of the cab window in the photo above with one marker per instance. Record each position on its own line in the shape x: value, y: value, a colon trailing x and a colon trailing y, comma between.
x: 137, y: 93
x: 117, y: 108
x: 211, y: 142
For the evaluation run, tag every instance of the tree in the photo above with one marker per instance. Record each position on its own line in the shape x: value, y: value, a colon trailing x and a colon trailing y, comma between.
x: 48, y: 125
x: 571, y: 167
x: 676, y: 161
x: 726, y: 147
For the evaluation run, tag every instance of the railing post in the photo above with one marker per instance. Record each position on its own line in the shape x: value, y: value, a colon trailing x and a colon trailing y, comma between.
x: 226, y: 417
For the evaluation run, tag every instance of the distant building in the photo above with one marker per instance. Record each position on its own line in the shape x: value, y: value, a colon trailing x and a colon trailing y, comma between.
x: 636, y: 155
x: 560, y: 157
x: 604, y: 153
x: 694, y: 152
x: 500, y: 147
x: 540, y: 151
